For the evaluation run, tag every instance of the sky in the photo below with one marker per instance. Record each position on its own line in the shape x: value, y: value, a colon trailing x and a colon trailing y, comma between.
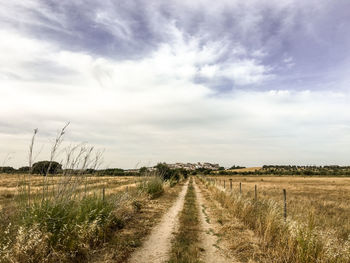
x: 249, y: 82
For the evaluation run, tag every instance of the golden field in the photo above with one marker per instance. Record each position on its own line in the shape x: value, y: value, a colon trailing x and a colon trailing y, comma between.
x: 11, y: 184
x: 325, y: 200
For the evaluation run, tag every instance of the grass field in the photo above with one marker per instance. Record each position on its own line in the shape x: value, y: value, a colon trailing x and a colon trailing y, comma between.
x: 67, y: 218
x: 318, y: 213
x: 325, y: 199
x: 85, y: 225
x: 11, y: 184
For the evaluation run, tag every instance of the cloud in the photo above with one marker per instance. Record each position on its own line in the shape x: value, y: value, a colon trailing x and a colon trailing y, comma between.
x: 231, y: 82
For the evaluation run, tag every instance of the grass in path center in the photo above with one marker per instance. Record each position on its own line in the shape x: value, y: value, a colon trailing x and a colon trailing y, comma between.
x: 185, y: 245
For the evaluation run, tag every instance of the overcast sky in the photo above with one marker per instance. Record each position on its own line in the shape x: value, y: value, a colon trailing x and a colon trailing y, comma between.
x: 232, y: 82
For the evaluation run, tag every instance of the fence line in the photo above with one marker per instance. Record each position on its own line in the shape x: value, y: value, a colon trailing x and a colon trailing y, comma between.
x: 223, y: 182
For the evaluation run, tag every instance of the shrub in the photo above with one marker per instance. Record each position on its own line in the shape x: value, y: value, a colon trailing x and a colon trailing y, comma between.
x: 42, y: 167
x: 173, y: 182
x: 143, y: 170
x: 164, y: 171
x: 153, y: 187
x: 7, y: 169
x: 24, y: 169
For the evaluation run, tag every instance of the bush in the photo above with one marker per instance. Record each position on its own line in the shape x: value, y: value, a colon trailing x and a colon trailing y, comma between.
x: 7, y: 169
x: 153, y: 187
x: 24, y: 169
x: 164, y: 171
x: 42, y: 167
x: 143, y: 170
x: 173, y: 182
x: 112, y: 172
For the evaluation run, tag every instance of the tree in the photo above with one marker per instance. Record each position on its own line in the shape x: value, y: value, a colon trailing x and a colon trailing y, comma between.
x: 45, y: 167
x: 239, y: 167
x: 164, y: 171
x: 7, y: 169
x: 24, y: 169
x: 143, y: 170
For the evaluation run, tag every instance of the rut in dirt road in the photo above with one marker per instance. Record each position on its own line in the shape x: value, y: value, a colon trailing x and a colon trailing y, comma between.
x: 209, y: 241
x: 157, y: 246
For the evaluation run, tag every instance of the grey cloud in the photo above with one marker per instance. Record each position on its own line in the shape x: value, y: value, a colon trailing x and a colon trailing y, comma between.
x: 313, y: 37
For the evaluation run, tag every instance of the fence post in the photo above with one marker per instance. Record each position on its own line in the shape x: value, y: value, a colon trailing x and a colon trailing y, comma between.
x: 127, y: 188
x: 240, y: 188
x: 224, y: 184
x: 29, y: 194
x: 103, y: 194
x: 285, y: 204
x: 256, y: 193
x: 231, y: 184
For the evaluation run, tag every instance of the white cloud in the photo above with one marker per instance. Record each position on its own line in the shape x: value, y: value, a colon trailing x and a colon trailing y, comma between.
x: 151, y: 109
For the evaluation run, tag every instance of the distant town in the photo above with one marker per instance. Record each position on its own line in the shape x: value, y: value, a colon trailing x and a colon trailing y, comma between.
x: 186, y: 166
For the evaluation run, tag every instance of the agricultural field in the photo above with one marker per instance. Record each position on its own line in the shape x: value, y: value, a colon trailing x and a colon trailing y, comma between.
x: 78, y: 218
x: 199, y: 219
x: 324, y: 200
x: 12, y: 185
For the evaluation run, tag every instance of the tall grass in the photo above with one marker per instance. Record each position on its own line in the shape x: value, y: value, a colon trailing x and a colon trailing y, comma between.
x: 64, y: 224
x: 152, y: 186
x: 284, y: 241
x: 61, y: 221
x: 63, y: 231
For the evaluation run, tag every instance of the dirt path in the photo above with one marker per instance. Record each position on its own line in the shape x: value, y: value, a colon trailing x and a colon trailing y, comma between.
x: 213, y: 252
x: 157, y: 246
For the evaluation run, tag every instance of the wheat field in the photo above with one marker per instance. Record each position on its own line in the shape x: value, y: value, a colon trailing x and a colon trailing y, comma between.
x: 323, y: 199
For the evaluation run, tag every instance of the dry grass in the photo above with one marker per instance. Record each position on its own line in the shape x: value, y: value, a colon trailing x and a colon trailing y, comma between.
x: 327, y: 199
x: 235, y: 238
x: 11, y: 184
x: 44, y: 226
x: 139, y: 225
x: 318, y: 215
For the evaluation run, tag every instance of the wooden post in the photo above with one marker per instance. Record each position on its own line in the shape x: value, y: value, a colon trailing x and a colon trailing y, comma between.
x: 103, y: 194
x: 127, y: 188
x: 240, y: 188
x: 224, y: 184
x: 29, y: 194
x: 285, y: 204
x: 256, y: 193
x: 231, y: 184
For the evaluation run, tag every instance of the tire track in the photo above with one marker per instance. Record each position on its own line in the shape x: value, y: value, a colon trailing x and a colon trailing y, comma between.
x: 212, y: 253
x: 157, y: 246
